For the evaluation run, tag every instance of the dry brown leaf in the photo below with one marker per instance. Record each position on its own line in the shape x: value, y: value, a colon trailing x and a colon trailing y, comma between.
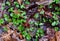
x: 16, y: 11
x: 44, y: 2
x: 52, y: 39
x: 57, y: 36
x: 48, y: 13
x: 19, y: 1
x: 21, y: 37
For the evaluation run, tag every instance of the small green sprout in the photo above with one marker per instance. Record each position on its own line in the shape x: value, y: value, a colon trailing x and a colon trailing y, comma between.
x: 40, y: 32
x: 8, y: 3
x: 36, y: 23
x: 15, y: 3
x: 37, y: 35
x: 6, y: 17
x: 11, y: 9
x: 22, y: 6
x: 57, y: 1
x: 1, y: 21
x: 23, y: 13
x: 3, y: 4
x: 41, y: 6
x: 31, y: 29
x: 20, y: 28
x: 15, y: 15
x: 17, y: 6
x: 55, y: 23
x: 36, y: 15
x: 55, y: 17
x: 56, y: 28
x: 26, y: 35
x: 42, y: 12
x: 50, y: 6
x: 5, y: 28
x: 2, y: 8
x: 27, y: 2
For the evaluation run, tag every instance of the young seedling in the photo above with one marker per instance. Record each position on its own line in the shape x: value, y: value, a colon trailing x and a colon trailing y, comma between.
x: 5, y: 29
